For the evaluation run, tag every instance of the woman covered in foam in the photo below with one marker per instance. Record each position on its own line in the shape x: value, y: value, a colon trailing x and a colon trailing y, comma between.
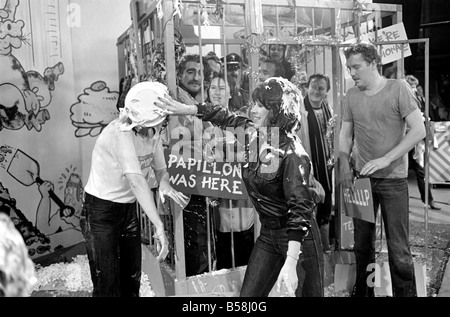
x: 277, y: 174
x: 125, y: 156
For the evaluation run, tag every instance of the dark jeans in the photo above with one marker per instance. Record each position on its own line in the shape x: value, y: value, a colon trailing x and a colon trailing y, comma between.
x: 392, y: 195
x: 196, y: 236
x: 323, y: 214
x: 113, y: 243
x: 269, y: 255
x: 420, y: 176
x: 243, y: 246
x: 323, y: 217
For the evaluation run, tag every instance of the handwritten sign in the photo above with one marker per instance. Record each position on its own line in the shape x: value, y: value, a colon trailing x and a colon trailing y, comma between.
x: 390, y: 53
x: 211, y: 179
x: 347, y: 230
x: 359, y: 203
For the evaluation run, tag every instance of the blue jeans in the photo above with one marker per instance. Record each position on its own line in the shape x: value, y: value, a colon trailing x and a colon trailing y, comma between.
x: 269, y: 255
x: 393, y: 197
x: 113, y: 243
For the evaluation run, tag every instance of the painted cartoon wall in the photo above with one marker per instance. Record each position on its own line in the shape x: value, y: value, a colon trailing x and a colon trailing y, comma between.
x: 58, y: 89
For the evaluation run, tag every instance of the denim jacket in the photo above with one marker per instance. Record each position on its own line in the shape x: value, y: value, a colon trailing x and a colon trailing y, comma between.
x: 277, y: 178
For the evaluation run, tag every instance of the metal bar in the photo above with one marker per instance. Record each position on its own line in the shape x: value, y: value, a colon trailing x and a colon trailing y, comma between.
x: 348, y: 5
x: 208, y: 231
x: 358, y: 27
x: 324, y: 59
x: 202, y: 91
x: 253, y: 55
x: 434, y: 24
x: 400, y: 42
x: 367, y: 24
x: 225, y: 48
x: 200, y: 46
x: 295, y: 21
x: 335, y: 77
x: 277, y: 26
x: 427, y: 122
x: 167, y: 36
x: 194, y: 41
x: 397, y: 18
x: 306, y: 58
x: 232, y: 235
x: 314, y: 34
x: 401, y: 69
x: 137, y: 40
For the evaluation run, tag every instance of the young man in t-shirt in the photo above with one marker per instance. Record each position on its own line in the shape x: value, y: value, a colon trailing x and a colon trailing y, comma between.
x: 375, y: 115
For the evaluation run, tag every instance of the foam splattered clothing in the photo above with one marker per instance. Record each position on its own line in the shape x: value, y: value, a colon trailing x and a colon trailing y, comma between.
x: 280, y: 193
x: 277, y: 182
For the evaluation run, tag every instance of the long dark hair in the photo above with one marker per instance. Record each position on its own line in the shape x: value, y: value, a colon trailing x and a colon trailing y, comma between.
x: 283, y: 100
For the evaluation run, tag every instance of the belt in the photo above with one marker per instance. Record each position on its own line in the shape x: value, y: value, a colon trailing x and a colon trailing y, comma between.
x: 274, y: 222
x: 88, y: 198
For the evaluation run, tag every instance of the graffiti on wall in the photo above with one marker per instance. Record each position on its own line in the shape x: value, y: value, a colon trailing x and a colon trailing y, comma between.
x: 37, y: 242
x: 95, y: 108
x: 50, y: 220
x: 24, y: 95
x: 34, y: 92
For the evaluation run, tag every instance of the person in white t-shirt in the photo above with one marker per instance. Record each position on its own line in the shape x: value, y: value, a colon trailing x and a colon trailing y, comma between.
x: 124, y: 156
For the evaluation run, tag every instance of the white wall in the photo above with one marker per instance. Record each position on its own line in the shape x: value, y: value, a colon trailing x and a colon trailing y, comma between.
x: 58, y: 89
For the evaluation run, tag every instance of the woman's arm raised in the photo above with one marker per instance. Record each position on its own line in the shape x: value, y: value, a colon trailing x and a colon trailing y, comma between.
x: 172, y: 107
